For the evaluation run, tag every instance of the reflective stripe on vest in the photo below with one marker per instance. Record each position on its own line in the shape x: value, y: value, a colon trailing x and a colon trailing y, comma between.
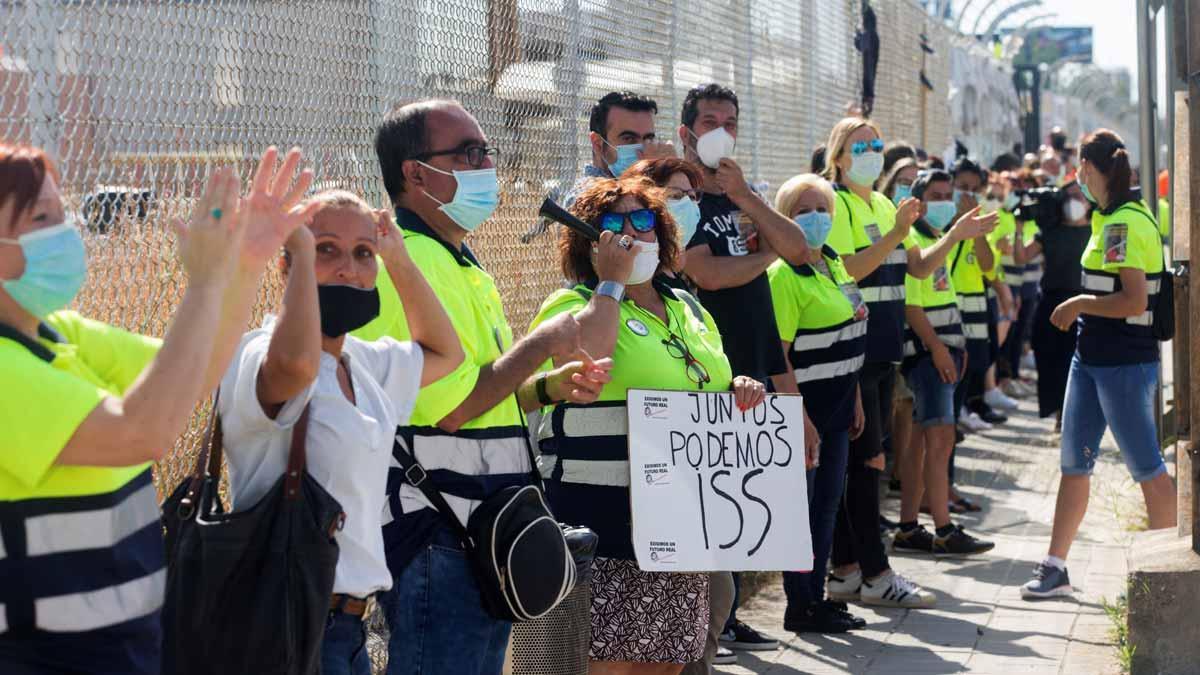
x: 1014, y: 274
x: 825, y: 371
x: 82, y: 563
x: 1106, y: 283
x: 974, y: 315
x: 824, y: 340
x: 467, y: 466
x: 585, y: 453
x: 947, y: 323
x: 882, y: 293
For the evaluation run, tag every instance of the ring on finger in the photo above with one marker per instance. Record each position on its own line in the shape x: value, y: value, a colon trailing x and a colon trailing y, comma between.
x: 625, y: 242
x: 216, y: 214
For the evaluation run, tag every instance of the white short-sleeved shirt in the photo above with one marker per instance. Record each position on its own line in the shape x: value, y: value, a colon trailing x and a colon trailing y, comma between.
x: 349, y: 446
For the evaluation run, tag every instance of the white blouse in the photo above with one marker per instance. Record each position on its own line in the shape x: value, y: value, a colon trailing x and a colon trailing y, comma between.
x: 349, y: 445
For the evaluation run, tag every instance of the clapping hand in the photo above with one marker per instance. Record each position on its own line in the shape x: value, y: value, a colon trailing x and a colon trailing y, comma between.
x: 972, y: 224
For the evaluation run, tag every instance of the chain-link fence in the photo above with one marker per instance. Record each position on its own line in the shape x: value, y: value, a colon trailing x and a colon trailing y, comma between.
x: 138, y: 101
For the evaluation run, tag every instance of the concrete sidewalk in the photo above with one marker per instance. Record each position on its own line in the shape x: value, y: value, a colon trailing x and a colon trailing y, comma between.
x: 980, y: 624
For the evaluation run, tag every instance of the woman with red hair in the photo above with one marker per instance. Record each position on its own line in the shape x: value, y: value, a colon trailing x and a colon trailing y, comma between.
x: 87, y: 407
x: 658, y: 338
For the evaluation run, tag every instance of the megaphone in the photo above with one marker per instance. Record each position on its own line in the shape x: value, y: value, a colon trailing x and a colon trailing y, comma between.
x: 561, y: 216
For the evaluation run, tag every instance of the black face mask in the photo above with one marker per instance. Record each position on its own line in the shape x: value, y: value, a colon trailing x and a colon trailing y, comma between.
x: 346, y: 308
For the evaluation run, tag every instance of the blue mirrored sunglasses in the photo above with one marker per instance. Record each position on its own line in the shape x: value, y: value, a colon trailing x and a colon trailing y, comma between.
x: 642, y: 220
x: 862, y: 146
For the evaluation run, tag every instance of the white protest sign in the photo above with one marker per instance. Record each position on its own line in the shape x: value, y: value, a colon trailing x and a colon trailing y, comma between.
x: 714, y: 488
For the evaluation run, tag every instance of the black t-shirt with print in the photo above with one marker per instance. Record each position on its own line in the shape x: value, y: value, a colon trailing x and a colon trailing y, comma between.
x: 745, y: 314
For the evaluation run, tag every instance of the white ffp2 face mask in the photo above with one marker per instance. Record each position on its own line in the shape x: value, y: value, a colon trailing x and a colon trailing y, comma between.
x: 645, y: 264
x: 714, y: 146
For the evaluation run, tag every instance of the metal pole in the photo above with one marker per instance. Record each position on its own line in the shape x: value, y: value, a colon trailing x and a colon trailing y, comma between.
x: 1192, y: 22
x: 1146, y: 107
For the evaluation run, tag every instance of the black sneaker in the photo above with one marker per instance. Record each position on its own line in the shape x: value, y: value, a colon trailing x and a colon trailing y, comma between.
x: 958, y: 542
x: 742, y: 637
x: 917, y: 540
x: 837, y: 607
x: 991, y: 416
x: 887, y: 524
x: 819, y: 619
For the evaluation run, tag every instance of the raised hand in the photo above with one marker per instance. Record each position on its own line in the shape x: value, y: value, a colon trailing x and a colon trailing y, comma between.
x: 269, y: 212
x: 732, y: 180
x: 391, y: 239
x: 614, y: 257
x: 210, y: 238
x: 971, y: 224
x: 906, y: 214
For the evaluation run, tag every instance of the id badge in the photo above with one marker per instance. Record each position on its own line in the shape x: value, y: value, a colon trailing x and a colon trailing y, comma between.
x: 873, y: 232
x: 854, y: 295
x: 941, y: 281
x: 1116, y: 243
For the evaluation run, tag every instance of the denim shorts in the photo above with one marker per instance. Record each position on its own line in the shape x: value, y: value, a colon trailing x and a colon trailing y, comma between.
x: 933, y: 399
x: 1120, y: 397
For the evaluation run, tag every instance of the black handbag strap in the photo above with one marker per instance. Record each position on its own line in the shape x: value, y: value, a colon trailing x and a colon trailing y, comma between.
x: 212, y: 454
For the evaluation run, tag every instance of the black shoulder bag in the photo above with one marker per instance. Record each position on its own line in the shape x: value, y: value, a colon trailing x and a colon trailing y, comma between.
x: 248, y: 592
x: 524, y: 560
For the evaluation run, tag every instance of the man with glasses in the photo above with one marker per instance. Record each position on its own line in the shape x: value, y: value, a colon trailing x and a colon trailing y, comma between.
x: 467, y: 429
x: 739, y: 235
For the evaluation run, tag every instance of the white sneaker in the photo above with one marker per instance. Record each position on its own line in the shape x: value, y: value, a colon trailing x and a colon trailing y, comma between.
x: 1028, y: 362
x: 844, y: 589
x: 996, y: 400
x: 894, y: 590
x: 1013, y: 389
x: 975, y: 423
x: 1029, y: 388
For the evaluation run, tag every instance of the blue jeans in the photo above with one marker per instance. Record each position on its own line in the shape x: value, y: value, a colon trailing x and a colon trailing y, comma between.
x: 933, y: 399
x: 1121, y: 397
x: 344, y: 647
x: 436, y: 616
x: 825, y: 485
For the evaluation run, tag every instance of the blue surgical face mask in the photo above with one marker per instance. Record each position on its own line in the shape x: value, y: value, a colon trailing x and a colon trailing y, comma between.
x: 939, y: 214
x: 55, y: 269
x: 1087, y: 194
x: 627, y: 156
x: 865, y: 168
x: 902, y: 192
x: 1010, y: 201
x: 961, y: 197
x: 687, y: 216
x: 475, y: 198
x: 816, y: 226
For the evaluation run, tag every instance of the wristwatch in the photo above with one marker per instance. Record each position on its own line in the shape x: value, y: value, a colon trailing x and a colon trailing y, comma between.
x: 539, y: 388
x: 611, y: 289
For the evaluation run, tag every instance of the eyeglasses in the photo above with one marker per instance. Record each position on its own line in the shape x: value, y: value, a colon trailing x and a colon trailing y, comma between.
x: 473, y: 155
x: 642, y: 220
x: 696, y: 371
x: 676, y: 193
x: 860, y: 147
